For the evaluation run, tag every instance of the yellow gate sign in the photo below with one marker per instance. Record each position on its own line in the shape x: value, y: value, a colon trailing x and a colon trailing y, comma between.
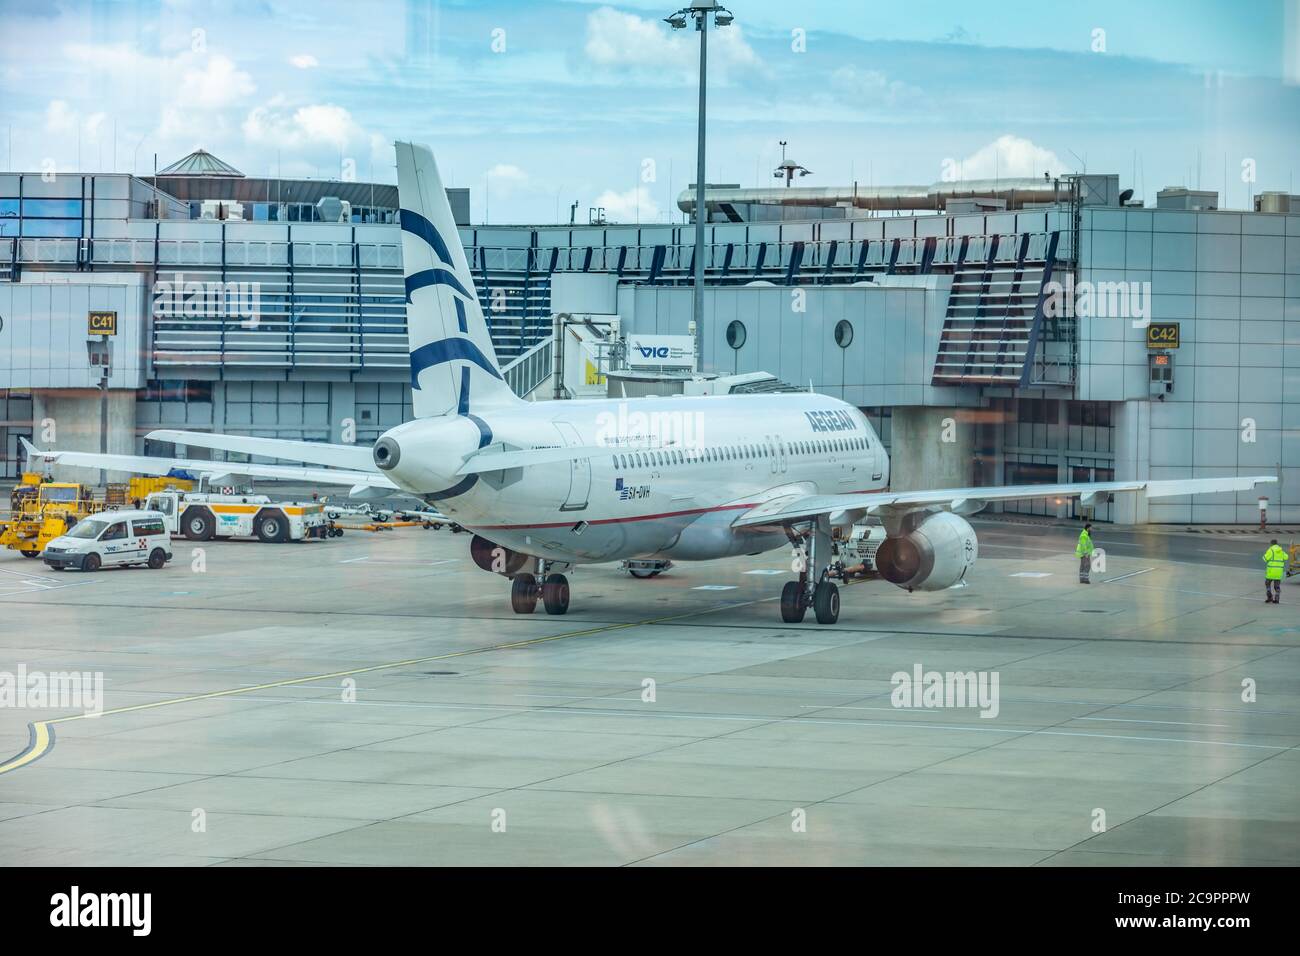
x: 102, y: 323
x: 1162, y: 335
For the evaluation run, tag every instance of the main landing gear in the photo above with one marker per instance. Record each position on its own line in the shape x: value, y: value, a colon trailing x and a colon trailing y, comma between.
x: 813, y: 589
x: 526, y: 587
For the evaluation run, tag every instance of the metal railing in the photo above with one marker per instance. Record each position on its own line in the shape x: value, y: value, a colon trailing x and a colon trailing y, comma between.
x: 530, y: 370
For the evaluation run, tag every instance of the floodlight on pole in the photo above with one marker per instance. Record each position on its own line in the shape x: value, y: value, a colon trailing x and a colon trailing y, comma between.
x: 789, y: 167
x: 699, y: 11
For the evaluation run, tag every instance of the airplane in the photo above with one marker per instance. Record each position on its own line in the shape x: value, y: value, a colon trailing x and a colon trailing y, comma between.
x: 548, y: 486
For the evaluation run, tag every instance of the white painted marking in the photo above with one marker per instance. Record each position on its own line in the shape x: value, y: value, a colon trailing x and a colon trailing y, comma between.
x: 1032, y: 574
x: 421, y: 564
x: 1131, y: 574
x: 715, y: 587
x: 11, y: 592
x: 576, y: 697
x: 1129, y: 720
x: 1021, y: 547
x: 1234, y: 597
x: 761, y: 719
x: 764, y: 571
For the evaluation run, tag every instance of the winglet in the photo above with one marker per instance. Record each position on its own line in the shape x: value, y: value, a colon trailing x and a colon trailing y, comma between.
x: 34, y: 452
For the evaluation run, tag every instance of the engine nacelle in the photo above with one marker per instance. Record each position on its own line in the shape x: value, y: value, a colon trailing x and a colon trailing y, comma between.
x: 933, y: 556
x: 495, y: 558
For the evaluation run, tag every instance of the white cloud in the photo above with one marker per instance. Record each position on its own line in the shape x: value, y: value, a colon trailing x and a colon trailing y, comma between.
x: 59, y: 118
x: 505, y: 180
x: 624, y: 41
x: 868, y: 88
x: 635, y: 205
x: 277, y: 124
x: 212, y: 82
x: 304, y: 61
x: 1009, y: 156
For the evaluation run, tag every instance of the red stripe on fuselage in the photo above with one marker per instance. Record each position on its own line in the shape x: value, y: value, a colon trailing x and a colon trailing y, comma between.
x: 665, y: 514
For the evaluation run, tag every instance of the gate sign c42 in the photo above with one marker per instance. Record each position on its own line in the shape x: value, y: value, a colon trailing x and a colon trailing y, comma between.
x: 1162, y: 335
x: 102, y: 323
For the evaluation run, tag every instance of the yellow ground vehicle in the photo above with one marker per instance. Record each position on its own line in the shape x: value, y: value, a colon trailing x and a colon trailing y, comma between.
x: 135, y: 491
x: 44, y: 511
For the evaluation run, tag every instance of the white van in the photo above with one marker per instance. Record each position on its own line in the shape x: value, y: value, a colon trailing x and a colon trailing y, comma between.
x: 112, y: 539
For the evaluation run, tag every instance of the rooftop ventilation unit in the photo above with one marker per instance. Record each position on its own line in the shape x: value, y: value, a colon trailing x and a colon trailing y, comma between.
x: 333, y: 209
x: 1277, y: 202
x: 1180, y: 197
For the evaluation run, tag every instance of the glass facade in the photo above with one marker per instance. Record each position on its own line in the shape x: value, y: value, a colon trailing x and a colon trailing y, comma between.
x: 41, y: 218
x: 1049, y: 440
x: 15, y: 423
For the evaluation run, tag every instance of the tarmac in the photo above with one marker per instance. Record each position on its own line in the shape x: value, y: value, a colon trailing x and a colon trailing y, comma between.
x: 372, y: 700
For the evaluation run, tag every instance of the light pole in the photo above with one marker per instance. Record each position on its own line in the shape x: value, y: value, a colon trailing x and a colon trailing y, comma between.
x: 789, y: 167
x: 699, y: 11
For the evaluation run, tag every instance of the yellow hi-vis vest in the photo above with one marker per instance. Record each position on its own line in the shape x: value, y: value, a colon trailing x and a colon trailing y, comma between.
x: 1084, y: 546
x: 1275, y: 560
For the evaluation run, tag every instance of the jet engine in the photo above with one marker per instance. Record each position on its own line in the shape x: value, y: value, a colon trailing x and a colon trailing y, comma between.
x: 934, y: 555
x: 495, y: 558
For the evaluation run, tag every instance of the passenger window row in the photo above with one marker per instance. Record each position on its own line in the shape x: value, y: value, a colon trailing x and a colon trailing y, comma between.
x: 693, y: 456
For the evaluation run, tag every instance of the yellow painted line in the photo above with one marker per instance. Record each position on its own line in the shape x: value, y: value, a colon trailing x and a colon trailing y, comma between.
x: 42, y: 734
x: 42, y: 739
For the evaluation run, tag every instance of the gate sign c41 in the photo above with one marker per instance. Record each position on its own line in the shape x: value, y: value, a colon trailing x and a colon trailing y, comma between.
x: 1162, y: 335
x: 101, y: 323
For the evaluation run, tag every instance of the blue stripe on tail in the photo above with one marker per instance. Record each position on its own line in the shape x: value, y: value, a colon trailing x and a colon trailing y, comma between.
x: 447, y: 350
x: 417, y: 225
x: 430, y: 277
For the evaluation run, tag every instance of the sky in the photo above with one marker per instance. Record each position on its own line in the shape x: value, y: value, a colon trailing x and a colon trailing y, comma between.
x: 537, y: 104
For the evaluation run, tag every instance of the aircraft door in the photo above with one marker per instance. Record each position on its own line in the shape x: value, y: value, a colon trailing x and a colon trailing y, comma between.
x: 579, y: 470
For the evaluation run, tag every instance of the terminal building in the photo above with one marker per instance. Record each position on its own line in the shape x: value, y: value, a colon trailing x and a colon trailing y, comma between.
x: 996, y: 332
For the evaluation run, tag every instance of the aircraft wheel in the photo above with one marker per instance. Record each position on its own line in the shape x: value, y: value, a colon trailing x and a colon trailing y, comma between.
x: 523, y: 594
x: 792, y: 606
x: 826, y: 603
x: 555, y: 594
x: 641, y: 573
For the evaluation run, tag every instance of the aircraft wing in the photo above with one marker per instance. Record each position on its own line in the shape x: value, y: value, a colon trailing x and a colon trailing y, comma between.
x: 358, y: 481
x: 790, y: 508
x: 354, y: 457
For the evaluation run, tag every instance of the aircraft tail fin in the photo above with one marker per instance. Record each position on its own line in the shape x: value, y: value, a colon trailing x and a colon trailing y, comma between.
x: 453, y: 365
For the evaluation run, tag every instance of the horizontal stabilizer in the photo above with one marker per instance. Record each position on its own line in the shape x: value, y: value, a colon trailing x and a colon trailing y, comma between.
x: 336, y: 456
x: 146, y: 465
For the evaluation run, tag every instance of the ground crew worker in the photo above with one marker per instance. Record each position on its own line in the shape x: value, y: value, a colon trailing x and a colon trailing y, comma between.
x: 1275, y: 561
x: 1083, y: 551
